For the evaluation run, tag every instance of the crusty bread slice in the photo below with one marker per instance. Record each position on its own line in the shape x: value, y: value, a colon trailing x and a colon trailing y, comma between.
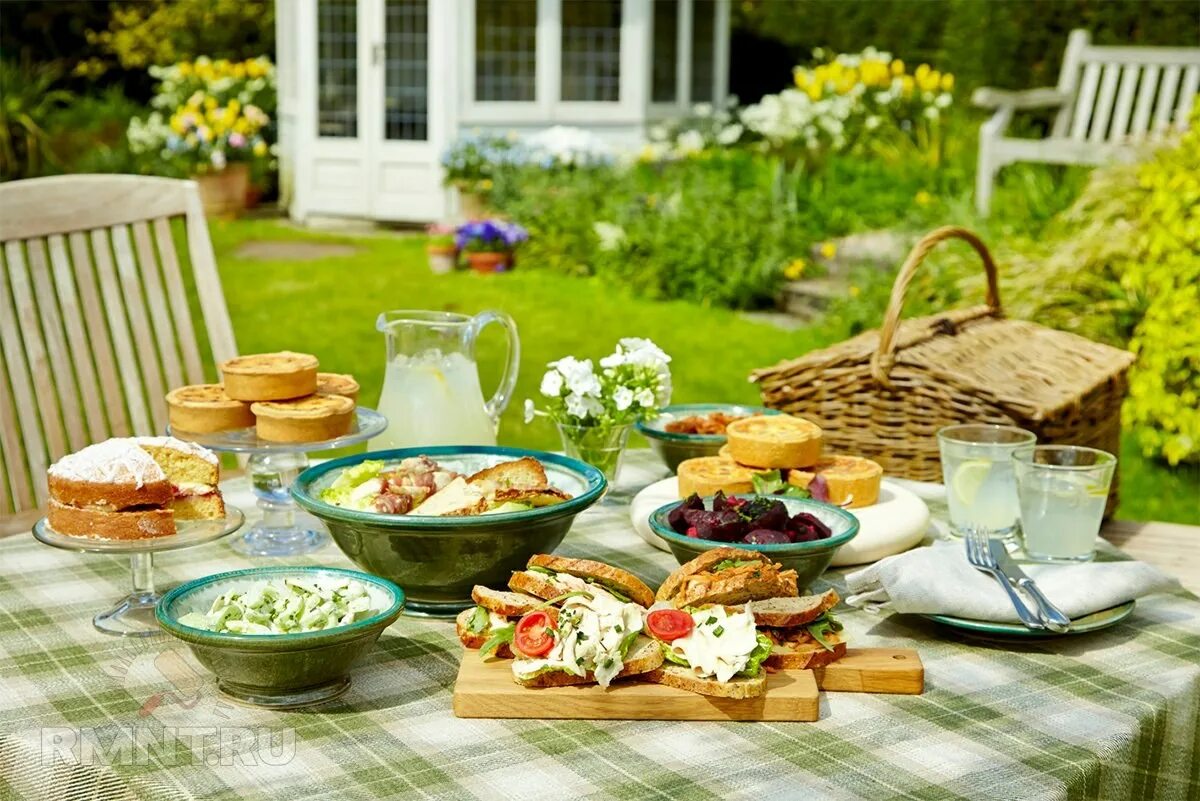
x: 736, y: 586
x: 524, y: 473
x: 789, y: 612
x: 622, y: 581
x: 474, y: 640
x: 701, y: 563
x: 683, y: 678
x: 644, y: 655
x: 807, y: 656
x: 509, y: 604
x: 540, y: 586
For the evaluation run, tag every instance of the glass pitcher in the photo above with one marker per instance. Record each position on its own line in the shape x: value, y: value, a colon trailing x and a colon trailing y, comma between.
x: 431, y: 391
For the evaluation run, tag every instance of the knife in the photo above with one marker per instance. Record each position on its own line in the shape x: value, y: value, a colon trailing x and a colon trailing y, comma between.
x: 1050, y: 614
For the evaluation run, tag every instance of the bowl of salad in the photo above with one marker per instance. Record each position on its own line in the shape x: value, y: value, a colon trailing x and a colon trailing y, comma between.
x: 690, y: 430
x: 281, y: 637
x: 798, y: 533
x: 439, y: 520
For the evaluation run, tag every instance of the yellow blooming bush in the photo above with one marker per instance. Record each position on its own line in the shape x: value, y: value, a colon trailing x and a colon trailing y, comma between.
x: 208, y: 113
x: 851, y: 99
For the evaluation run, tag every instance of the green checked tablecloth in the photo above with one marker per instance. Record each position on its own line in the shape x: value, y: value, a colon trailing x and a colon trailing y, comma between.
x: 1111, y: 715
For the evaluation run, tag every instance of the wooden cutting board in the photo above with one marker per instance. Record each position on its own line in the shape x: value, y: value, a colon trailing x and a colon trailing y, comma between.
x: 485, y: 689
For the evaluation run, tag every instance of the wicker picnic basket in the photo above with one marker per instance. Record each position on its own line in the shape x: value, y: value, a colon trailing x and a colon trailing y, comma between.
x: 884, y: 394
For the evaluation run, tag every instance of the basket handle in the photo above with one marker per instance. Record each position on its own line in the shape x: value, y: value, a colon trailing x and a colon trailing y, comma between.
x: 885, y: 354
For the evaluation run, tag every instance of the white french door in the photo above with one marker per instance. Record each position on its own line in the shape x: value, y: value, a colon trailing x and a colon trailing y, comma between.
x: 380, y: 125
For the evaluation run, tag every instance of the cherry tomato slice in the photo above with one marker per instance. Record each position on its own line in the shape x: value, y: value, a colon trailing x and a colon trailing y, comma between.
x: 669, y: 624
x: 534, y: 634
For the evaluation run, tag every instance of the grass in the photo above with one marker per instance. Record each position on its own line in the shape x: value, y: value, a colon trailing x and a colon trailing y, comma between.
x: 328, y: 307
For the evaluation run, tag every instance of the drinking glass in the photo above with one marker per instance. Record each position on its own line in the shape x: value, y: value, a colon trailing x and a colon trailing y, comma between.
x: 977, y: 469
x: 1062, y: 491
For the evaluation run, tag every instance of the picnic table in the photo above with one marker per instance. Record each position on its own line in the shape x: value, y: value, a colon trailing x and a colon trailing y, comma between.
x: 1112, y: 714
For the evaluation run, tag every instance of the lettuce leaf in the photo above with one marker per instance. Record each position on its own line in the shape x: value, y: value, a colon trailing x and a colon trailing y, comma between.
x: 759, y: 655
x: 772, y: 483
x: 479, y: 620
x: 338, y: 493
x: 499, y: 637
x: 825, y: 624
x: 671, y: 656
x: 725, y: 564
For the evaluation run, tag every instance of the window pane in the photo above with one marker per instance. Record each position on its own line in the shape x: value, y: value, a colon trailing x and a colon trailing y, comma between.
x: 406, y: 90
x: 704, y: 23
x: 591, y: 50
x: 337, y: 68
x: 505, y: 49
x: 666, y: 51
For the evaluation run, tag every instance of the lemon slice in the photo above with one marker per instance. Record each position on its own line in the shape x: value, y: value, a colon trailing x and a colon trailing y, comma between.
x: 1097, y: 491
x: 969, y: 478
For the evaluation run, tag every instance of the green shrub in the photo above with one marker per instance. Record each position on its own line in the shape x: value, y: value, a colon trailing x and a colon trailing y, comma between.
x: 28, y: 99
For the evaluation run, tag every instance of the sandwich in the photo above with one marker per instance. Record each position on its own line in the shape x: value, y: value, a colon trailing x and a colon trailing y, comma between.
x: 711, y: 650
x: 548, y: 576
x: 587, y: 626
x: 802, y: 631
x: 727, y: 576
x: 495, y: 611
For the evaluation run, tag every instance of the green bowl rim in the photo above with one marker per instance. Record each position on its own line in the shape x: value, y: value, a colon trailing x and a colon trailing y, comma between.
x: 222, y: 638
x: 669, y: 534
x: 643, y: 426
x: 595, y: 480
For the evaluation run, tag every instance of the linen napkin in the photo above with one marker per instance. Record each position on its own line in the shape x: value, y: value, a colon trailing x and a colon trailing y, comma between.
x: 938, y: 580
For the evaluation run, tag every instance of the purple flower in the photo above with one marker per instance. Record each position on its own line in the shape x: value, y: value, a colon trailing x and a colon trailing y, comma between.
x: 495, y: 236
x: 237, y: 140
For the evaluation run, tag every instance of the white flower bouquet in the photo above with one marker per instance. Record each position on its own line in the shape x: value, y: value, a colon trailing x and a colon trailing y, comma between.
x: 594, y: 409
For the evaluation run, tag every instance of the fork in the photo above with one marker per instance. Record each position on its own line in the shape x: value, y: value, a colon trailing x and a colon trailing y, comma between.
x: 981, y: 558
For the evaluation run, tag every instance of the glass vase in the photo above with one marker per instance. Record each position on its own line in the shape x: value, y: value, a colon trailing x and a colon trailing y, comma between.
x: 601, y: 446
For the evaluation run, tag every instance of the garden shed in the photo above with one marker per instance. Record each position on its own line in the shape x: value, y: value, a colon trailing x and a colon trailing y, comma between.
x: 372, y: 91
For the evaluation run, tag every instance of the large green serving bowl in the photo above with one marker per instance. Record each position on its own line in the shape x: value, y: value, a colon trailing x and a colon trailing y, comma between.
x: 674, y: 448
x: 808, y: 559
x: 281, y: 671
x: 437, y: 560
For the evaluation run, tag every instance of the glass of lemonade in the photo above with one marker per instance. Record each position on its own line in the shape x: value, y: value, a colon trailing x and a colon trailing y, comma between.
x: 1062, y: 491
x: 977, y: 469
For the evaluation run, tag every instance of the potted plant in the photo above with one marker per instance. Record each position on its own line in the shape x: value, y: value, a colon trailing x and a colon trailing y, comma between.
x: 470, y: 166
x: 211, y: 123
x: 490, y: 245
x: 441, y: 248
x: 594, y: 411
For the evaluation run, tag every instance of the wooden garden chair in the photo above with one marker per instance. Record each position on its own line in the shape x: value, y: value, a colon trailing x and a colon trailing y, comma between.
x: 1111, y: 101
x: 96, y: 321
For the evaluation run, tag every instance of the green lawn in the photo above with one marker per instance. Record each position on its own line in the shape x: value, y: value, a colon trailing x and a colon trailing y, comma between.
x: 328, y: 307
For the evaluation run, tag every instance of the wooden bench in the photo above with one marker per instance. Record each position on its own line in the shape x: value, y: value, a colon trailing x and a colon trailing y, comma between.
x: 1112, y: 102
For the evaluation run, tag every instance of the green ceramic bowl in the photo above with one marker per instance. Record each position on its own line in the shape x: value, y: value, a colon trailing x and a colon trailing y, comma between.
x: 675, y: 448
x: 282, y: 671
x: 437, y: 560
x: 808, y: 559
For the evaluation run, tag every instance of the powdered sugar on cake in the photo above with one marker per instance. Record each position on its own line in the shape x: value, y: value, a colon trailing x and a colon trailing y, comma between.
x: 114, y: 461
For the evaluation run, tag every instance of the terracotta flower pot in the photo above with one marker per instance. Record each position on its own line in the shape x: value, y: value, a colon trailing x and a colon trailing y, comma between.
x: 442, y: 259
x: 224, y: 193
x: 489, y: 262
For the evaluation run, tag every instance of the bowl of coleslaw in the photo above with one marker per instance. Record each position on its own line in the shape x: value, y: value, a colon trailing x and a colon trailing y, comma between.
x: 281, y: 637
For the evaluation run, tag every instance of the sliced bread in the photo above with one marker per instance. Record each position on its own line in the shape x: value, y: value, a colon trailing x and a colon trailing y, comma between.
x: 684, y: 679
x: 475, y: 640
x: 788, y: 612
x: 543, y: 587
x: 620, y: 580
x: 702, y: 563
x: 804, y: 656
x: 737, y: 585
x: 509, y: 604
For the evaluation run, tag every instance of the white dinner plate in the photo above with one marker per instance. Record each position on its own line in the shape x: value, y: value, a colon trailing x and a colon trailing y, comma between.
x: 897, y: 522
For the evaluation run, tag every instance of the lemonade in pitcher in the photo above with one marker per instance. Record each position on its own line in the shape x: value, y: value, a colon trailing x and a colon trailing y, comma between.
x: 431, y: 392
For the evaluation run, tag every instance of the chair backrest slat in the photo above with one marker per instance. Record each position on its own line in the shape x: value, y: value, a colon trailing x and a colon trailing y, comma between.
x: 73, y: 320
x: 160, y: 317
x: 1104, y: 103
x: 61, y: 368
x: 98, y: 340
x: 1086, y: 101
x: 21, y: 436
x: 180, y: 312
x: 95, y: 317
x: 1145, y: 103
x: 1187, y: 96
x: 1125, y: 95
x: 1164, y: 109
x: 127, y: 364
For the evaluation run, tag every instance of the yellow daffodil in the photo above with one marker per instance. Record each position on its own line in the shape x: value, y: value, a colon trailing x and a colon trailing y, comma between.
x: 485, y: 184
x: 814, y: 91
x: 922, y: 71
x: 907, y: 84
x: 828, y: 250
x: 801, y: 78
x: 210, y: 103
x: 260, y: 148
x: 177, y: 124
x: 948, y: 82
x: 854, y: 291
x: 794, y: 269
x: 923, y: 198
x: 185, y: 69
x: 930, y: 81
x: 897, y: 67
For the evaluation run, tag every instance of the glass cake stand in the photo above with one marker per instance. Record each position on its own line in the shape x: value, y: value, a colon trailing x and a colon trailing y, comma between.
x: 271, y: 469
x: 133, y: 615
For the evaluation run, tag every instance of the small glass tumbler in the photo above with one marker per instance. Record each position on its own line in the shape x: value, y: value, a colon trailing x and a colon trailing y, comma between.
x: 1062, y: 491
x: 977, y: 469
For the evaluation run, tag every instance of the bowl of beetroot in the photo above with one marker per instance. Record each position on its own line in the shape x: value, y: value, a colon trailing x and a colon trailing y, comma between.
x: 798, y: 533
